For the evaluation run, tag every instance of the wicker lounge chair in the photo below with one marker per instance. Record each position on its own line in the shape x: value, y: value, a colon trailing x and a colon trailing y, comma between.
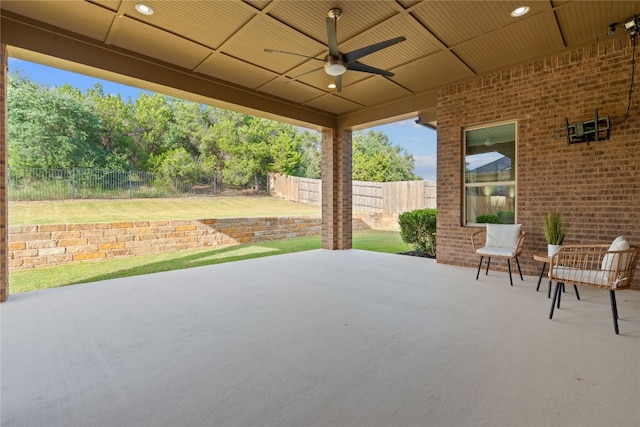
x: 608, y: 267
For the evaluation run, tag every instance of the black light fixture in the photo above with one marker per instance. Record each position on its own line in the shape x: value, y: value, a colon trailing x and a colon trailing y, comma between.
x: 631, y: 25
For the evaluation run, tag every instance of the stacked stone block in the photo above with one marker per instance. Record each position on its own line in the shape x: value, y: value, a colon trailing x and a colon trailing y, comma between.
x: 42, y: 245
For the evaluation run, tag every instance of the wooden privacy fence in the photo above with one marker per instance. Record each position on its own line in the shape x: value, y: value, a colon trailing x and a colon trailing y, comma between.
x: 385, y: 197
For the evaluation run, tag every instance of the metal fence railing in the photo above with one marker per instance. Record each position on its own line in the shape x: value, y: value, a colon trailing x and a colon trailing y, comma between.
x: 59, y: 184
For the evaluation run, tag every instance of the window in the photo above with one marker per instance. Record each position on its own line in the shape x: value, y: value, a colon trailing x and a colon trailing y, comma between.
x: 490, y: 174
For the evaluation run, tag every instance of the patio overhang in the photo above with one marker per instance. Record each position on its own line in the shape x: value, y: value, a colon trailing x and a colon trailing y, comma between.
x: 213, y: 52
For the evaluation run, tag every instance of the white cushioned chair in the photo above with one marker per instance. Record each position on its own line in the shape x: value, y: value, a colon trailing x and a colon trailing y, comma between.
x: 499, y: 241
x: 610, y: 267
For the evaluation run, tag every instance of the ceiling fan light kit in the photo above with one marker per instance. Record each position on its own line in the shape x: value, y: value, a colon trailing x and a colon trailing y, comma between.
x: 336, y: 63
x: 335, y: 67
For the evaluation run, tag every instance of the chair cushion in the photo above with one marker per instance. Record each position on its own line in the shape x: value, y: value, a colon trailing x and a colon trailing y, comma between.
x: 496, y: 251
x: 503, y: 235
x: 610, y: 261
x: 570, y: 274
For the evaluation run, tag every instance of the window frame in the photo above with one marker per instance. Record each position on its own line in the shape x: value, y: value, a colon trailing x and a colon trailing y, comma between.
x: 466, y: 185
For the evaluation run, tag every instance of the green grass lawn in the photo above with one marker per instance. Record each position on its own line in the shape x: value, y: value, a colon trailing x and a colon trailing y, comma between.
x: 115, y: 210
x: 70, y: 274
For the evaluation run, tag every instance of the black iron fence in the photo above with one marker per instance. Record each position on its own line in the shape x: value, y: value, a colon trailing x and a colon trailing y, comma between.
x: 58, y: 184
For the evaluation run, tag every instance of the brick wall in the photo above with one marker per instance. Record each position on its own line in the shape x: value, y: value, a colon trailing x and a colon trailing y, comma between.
x: 336, y: 189
x: 40, y: 245
x: 595, y: 186
x: 4, y: 200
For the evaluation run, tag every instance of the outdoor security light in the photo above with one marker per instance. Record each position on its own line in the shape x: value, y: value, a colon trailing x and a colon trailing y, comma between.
x: 631, y: 25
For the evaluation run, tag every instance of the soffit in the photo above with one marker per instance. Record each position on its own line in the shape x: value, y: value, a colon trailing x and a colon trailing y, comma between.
x: 224, y: 41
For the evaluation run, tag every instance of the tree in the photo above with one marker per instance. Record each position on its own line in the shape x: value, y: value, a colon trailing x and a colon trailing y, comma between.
x: 52, y: 128
x: 310, y: 165
x: 116, y: 131
x: 152, y: 116
x: 188, y: 125
x: 176, y: 163
x: 65, y: 128
x: 274, y: 146
x: 376, y: 159
x: 225, y: 142
x: 249, y: 147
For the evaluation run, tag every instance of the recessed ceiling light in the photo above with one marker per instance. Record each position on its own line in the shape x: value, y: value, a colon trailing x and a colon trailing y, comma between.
x: 144, y: 9
x: 331, y: 86
x: 522, y: 10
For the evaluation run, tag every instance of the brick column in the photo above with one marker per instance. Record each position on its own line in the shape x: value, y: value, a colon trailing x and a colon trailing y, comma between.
x: 4, y: 194
x: 336, y: 189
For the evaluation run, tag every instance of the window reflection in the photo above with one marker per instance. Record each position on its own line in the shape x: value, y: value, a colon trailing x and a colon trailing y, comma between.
x: 490, y: 172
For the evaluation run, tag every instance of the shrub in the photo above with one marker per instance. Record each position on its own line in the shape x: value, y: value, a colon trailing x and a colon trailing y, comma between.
x: 418, y: 228
x: 488, y: 218
x: 507, y: 217
x: 501, y: 217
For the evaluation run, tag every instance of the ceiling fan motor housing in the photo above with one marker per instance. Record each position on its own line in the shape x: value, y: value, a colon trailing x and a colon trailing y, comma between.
x: 335, y: 67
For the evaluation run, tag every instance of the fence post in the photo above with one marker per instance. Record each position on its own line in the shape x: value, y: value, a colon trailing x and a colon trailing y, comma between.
x: 73, y: 183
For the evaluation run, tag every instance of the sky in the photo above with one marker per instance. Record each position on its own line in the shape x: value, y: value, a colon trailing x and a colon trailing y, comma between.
x: 413, y: 138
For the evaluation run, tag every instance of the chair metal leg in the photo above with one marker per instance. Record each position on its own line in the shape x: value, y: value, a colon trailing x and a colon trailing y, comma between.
x: 488, y: 262
x: 553, y: 302
x: 479, y: 266
x: 544, y: 265
x: 509, y: 266
x: 614, y: 310
x: 560, y: 291
x: 549, y: 291
x: 519, y: 271
x: 577, y: 294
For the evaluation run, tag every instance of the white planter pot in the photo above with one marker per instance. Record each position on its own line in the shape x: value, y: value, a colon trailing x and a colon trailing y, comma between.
x: 553, y: 249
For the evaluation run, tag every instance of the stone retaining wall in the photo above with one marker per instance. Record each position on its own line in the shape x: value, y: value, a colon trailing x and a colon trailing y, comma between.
x: 377, y: 221
x: 40, y: 245
x: 47, y: 245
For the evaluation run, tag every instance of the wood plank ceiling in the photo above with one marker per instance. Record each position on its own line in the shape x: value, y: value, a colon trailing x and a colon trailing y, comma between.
x: 225, y: 41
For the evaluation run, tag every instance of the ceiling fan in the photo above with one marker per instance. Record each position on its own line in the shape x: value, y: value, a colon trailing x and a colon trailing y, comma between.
x: 336, y: 63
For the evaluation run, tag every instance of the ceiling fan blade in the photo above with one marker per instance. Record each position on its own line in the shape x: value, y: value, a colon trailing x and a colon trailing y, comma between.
x: 293, y: 53
x: 356, y: 66
x: 338, y: 81
x: 291, y: 79
x: 332, y: 37
x: 368, y: 50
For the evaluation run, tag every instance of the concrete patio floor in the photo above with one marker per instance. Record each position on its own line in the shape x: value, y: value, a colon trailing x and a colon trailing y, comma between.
x: 318, y: 338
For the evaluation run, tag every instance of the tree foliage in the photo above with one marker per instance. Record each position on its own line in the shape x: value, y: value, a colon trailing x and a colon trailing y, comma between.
x: 310, y: 165
x: 53, y: 128
x: 63, y: 128
x: 375, y: 158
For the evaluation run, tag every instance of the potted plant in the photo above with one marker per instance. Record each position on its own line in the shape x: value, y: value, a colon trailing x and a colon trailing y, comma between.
x: 554, y: 231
